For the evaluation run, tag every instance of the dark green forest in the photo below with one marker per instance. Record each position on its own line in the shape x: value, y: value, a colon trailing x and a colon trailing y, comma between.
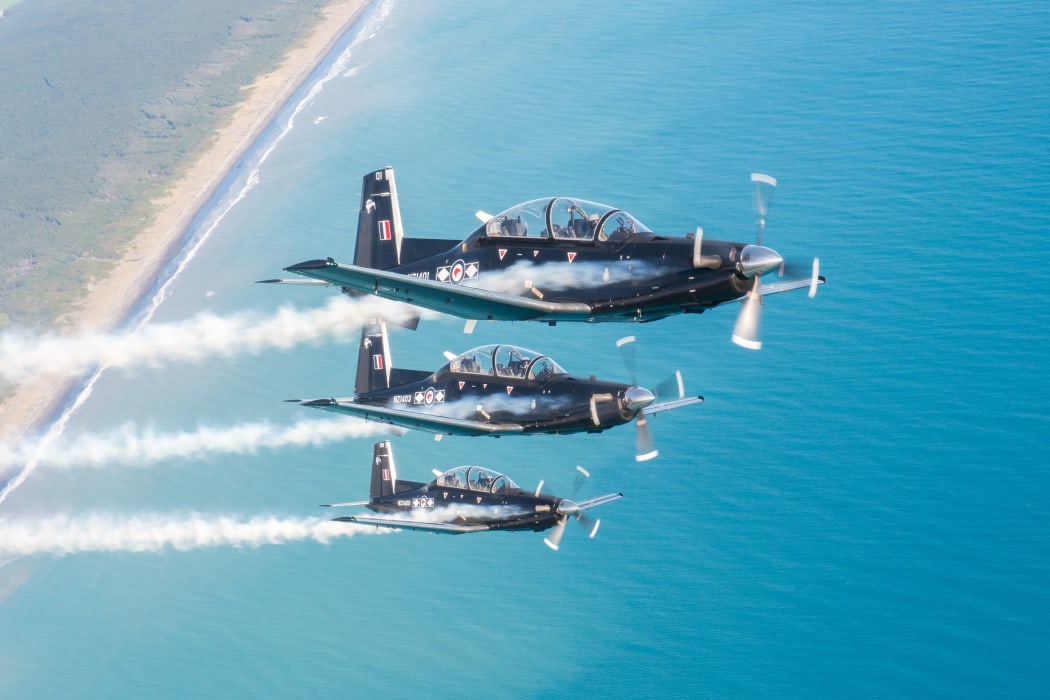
x: 103, y: 103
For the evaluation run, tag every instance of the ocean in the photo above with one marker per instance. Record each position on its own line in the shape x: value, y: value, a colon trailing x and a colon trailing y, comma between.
x: 858, y: 509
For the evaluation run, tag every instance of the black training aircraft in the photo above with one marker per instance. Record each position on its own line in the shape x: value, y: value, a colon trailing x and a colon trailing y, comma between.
x: 495, y: 390
x: 466, y: 499
x: 557, y: 260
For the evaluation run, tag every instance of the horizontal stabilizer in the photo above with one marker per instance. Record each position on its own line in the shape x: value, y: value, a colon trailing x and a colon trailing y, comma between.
x: 668, y: 405
x: 311, y: 282
x: 344, y: 505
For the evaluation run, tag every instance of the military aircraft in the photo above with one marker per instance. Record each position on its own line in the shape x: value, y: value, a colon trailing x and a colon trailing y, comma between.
x: 557, y: 259
x: 496, y: 390
x: 467, y: 499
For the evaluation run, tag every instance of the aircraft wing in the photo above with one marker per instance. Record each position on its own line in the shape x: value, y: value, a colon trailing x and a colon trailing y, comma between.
x: 458, y: 300
x: 598, y: 500
x: 668, y: 405
x: 787, y: 286
x: 429, y: 422
x: 405, y: 524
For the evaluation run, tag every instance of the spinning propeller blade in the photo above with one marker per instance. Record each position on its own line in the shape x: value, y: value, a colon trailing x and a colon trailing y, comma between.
x: 581, y: 477
x: 644, y: 448
x: 629, y: 355
x: 553, y: 539
x: 760, y: 259
x: 591, y: 523
x: 762, y: 187
x: 749, y: 321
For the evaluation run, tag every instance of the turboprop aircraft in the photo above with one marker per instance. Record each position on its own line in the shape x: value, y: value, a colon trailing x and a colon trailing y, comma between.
x: 467, y: 499
x: 558, y: 259
x: 497, y: 390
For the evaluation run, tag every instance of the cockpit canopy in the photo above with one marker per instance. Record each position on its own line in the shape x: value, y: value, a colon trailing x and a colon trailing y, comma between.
x: 476, y: 479
x: 564, y: 219
x: 505, y: 361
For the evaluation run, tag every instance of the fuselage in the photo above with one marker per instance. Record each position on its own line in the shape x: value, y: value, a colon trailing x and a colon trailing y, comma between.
x: 496, y: 507
x: 636, y: 276
x: 554, y: 403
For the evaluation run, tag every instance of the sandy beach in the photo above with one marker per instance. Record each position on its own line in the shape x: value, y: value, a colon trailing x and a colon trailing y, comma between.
x: 111, y: 299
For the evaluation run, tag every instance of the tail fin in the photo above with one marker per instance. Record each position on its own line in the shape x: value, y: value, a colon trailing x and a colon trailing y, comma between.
x: 384, y: 474
x: 379, y: 230
x: 373, y: 359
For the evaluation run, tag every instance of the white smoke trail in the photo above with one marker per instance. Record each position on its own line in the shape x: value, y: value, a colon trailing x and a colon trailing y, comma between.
x: 205, y: 335
x: 99, y: 532
x: 131, y: 445
x: 221, y: 209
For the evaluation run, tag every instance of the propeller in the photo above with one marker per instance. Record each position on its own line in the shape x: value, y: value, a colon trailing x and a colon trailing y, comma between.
x: 754, y: 260
x: 567, y: 507
x: 636, y: 398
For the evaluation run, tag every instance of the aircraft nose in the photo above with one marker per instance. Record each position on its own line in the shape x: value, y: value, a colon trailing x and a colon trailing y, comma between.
x: 757, y: 260
x: 567, y: 507
x: 636, y: 398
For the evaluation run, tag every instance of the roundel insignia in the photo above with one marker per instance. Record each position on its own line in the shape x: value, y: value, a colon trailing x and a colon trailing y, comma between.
x: 458, y: 269
x: 429, y: 399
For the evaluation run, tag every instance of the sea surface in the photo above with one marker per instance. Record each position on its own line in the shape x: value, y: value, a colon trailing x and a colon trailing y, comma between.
x: 860, y: 509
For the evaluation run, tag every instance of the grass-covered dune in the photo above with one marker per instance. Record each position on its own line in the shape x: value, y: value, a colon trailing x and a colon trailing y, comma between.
x: 104, y: 103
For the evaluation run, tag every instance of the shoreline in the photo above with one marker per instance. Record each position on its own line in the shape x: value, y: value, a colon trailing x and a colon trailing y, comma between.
x: 110, y: 301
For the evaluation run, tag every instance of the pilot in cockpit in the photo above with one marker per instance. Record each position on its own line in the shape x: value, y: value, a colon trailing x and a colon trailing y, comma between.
x: 512, y: 227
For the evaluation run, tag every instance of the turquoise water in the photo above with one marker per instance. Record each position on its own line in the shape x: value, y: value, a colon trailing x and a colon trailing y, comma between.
x: 858, y: 509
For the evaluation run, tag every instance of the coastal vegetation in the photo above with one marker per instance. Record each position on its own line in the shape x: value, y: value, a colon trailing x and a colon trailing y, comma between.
x: 105, y: 104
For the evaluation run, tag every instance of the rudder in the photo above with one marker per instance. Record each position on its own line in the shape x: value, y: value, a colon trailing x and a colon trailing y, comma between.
x: 373, y: 358
x: 379, y: 229
x: 384, y: 474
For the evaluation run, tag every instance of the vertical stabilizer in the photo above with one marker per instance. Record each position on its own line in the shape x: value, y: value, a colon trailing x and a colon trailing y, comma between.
x: 379, y: 230
x: 373, y: 359
x: 384, y: 474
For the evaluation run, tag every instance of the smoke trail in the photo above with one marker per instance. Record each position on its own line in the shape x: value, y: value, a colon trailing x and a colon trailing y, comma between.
x: 61, y: 535
x: 204, y: 335
x: 130, y: 445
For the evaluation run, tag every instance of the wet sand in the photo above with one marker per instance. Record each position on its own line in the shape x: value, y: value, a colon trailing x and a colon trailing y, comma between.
x: 109, y: 301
